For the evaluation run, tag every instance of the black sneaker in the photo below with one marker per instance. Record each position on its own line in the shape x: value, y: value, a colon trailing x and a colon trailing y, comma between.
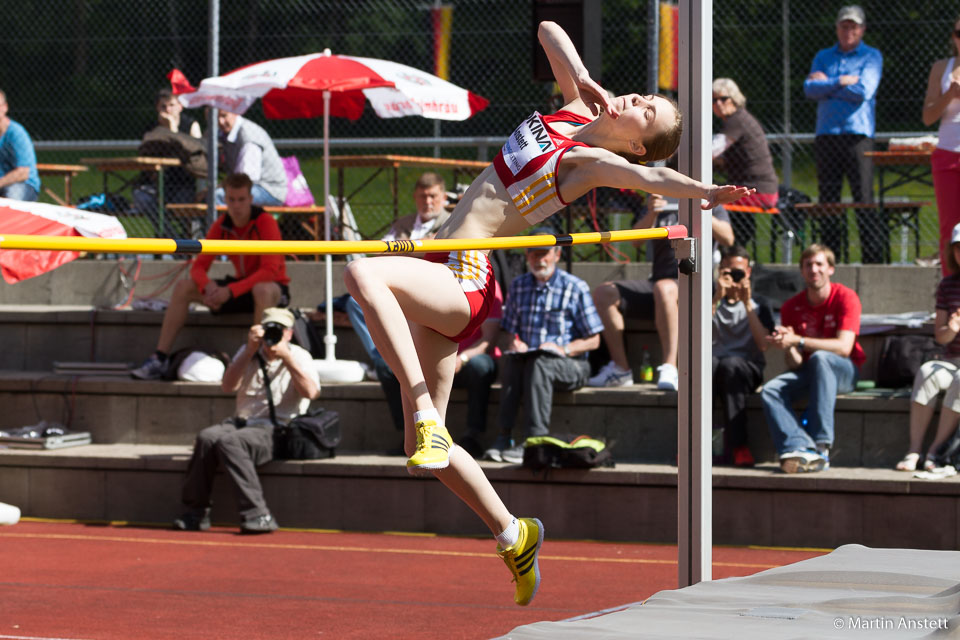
x: 153, y: 368
x: 259, y: 524
x: 193, y: 521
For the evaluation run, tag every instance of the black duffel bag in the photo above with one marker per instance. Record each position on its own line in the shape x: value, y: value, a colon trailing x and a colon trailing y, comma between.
x: 309, y: 436
x: 901, y: 357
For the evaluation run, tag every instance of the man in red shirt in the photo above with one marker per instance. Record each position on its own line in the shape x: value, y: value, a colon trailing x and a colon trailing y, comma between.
x: 260, y: 281
x: 818, y: 337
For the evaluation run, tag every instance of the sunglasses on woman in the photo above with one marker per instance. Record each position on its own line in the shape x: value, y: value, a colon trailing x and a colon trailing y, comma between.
x: 726, y: 98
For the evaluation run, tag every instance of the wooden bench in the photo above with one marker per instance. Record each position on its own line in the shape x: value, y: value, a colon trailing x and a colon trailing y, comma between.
x: 65, y: 171
x: 310, y: 222
x: 775, y: 230
x: 903, y: 214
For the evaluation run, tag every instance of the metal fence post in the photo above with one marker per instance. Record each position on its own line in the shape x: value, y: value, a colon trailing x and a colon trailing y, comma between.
x: 213, y: 69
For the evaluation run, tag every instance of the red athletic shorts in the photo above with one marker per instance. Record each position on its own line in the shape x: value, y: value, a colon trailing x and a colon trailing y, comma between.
x: 472, y: 270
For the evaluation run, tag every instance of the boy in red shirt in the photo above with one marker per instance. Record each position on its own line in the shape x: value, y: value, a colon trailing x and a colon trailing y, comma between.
x: 260, y: 281
x: 818, y: 337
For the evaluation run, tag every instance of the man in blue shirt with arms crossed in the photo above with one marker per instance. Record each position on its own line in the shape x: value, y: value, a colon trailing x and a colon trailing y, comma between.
x: 19, y: 179
x: 843, y: 80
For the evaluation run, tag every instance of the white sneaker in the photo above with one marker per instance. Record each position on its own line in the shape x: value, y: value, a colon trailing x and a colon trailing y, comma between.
x: 802, y: 461
x: 611, y: 376
x: 669, y: 378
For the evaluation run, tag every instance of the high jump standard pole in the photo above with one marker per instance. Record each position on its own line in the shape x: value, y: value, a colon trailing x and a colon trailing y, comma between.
x: 695, y: 397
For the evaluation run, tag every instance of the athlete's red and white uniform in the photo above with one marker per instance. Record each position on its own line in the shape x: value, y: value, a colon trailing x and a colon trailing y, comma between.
x: 527, y: 164
x: 527, y: 167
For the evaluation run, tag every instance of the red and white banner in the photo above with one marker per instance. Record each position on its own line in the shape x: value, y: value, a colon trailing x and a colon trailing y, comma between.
x: 39, y: 219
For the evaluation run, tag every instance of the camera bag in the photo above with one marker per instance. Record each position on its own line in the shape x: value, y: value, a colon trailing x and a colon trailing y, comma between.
x: 309, y: 436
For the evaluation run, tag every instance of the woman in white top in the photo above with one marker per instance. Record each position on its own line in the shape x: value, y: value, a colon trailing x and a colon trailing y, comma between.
x: 942, y: 103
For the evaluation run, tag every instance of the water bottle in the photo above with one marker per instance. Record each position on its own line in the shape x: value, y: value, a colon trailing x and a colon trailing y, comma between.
x: 646, y: 366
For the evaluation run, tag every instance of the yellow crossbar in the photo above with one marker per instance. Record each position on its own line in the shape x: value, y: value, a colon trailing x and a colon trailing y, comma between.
x: 323, y: 247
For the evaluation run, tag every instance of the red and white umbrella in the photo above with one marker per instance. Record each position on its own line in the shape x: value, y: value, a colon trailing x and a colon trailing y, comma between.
x: 292, y: 88
x: 39, y: 219
x: 323, y: 84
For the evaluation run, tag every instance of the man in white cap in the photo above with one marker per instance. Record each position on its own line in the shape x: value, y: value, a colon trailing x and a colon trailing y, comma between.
x: 843, y: 80
x: 244, y: 441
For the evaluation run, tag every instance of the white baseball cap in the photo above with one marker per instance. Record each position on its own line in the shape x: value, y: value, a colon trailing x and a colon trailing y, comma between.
x: 955, y: 234
x: 851, y: 12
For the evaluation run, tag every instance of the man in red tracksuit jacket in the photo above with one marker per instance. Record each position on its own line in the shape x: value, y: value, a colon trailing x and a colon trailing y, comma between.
x: 260, y: 281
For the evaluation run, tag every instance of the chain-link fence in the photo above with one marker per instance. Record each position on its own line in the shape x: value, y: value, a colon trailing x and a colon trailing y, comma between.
x: 82, y: 76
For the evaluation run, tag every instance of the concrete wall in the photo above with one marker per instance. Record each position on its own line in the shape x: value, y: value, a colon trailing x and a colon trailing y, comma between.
x: 882, y: 289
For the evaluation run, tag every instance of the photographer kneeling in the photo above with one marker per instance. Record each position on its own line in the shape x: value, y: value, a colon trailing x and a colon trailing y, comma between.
x: 741, y: 323
x: 245, y: 441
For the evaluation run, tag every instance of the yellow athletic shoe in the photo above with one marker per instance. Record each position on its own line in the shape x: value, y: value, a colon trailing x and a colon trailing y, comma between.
x: 521, y: 559
x: 433, y: 447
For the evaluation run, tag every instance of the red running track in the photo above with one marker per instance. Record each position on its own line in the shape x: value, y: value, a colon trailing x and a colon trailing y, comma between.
x: 80, y: 581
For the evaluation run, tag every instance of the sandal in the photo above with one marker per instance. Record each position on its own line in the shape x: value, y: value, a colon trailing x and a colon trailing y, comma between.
x: 909, y: 462
x: 929, y: 464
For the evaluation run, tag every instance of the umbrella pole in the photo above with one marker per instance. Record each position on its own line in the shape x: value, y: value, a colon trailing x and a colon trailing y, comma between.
x: 329, y: 340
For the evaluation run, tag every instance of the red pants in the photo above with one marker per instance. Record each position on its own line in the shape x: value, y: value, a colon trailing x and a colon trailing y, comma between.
x: 945, y: 166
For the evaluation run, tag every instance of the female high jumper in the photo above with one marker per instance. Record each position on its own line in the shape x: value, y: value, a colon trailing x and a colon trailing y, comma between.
x: 418, y: 309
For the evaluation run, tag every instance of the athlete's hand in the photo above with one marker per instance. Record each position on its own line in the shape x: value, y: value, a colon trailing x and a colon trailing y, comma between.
x: 593, y: 95
x: 725, y: 194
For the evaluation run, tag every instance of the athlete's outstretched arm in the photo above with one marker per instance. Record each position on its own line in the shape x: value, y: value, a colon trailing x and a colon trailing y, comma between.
x: 569, y: 71
x: 610, y: 170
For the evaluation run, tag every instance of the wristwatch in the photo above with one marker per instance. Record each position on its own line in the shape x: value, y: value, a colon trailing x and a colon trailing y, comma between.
x: 566, y: 350
x: 801, y: 344
x: 464, y: 358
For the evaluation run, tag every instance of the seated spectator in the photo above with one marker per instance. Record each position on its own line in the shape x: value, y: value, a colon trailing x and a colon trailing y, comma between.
x: 244, y: 441
x: 549, y: 325
x: 170, y: 115
x: 247, y: 148
x: 260, y: 282
x: 430, y: 200
x: 942, y: 374
x: 657, y: 297
x: 741, y: 324
x: 740, y: 151
x: 818, y: 337
x: 179, y: 185
x: 19, y: 179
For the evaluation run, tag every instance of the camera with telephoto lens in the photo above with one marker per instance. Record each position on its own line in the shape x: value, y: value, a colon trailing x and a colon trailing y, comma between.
x: 272, y: 333
x: 737, y: 274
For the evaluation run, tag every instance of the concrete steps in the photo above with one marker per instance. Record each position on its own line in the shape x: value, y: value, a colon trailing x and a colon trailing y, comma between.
x: 640, y: 420
x: 143, y: 432
x: 631, y: 502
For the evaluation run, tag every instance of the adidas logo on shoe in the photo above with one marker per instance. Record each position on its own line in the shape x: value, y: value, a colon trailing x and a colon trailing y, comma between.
x: 433, y: 448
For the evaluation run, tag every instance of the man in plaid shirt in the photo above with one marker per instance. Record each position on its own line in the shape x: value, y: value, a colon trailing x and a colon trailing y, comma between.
x: 549, y: 325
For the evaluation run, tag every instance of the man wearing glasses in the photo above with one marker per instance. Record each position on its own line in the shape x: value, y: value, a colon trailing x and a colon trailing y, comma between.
x: 843, y: 80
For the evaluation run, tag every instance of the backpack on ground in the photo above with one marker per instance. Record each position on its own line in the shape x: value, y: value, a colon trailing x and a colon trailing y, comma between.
x: 306, y: 335
x: 901, y: 357
x: 310, y: 436
x: 565, y: 451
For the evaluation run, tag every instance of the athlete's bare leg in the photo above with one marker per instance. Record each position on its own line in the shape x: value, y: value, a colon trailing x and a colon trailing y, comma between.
x: 395, y: 290
x: 463, y: 476
x: 406, y: 302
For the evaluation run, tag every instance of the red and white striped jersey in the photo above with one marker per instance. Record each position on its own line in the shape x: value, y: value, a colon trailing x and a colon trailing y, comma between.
x: 527, y: 164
